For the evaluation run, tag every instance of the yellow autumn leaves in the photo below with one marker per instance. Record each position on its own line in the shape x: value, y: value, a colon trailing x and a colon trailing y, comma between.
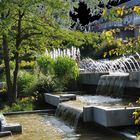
x: 120, y: 11
x: 136, y: 9
x: 136, y: 114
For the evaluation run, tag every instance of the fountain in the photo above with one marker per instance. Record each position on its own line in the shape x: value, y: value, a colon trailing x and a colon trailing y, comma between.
x: 127, y: 68
x: 112, y: 85
x: 124, y: 64
x: 71, y: 52
x: 110, y: 78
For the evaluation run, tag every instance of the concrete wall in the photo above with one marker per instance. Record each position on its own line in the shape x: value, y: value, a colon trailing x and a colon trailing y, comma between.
x: 93, y: 78
x: 90, y: 78
x: 109, y: 117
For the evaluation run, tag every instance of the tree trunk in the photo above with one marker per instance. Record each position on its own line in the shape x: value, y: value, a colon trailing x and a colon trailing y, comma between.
x: 16, y: 55
x: 15, y: 75
x: 7, y: 69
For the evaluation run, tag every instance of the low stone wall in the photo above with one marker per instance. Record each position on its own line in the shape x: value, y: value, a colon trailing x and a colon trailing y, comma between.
x: 93, y: 79
x: 8, y: 128
x: 109, y: 117
x: 90, y: 78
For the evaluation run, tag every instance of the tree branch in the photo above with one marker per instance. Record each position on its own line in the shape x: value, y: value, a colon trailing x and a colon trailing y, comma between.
x: 26, y: 36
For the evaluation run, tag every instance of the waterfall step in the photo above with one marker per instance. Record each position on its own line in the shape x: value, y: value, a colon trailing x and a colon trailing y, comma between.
x: 69, y: 113
x: 93, y: 79
x: 56, y: 99
x: 107, y: 116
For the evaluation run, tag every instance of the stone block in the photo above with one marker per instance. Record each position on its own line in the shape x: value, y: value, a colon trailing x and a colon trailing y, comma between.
x: 5, y: 134
x: 90, y: 78
x: 109, y: 117
x: 13, y: 127
x: 52, y: 99
x: 56, y: 99
x: 88, y: 114
x: 2, y: 119
x: 134, y: 76
x: 112, y: 117
x: 68, y: 96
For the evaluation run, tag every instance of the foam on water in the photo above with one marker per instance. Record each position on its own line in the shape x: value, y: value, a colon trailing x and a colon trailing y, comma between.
x: 118, y: 73
x: 97, y: 99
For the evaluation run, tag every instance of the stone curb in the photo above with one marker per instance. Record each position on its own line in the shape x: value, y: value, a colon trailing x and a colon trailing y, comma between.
x: 28, y: 112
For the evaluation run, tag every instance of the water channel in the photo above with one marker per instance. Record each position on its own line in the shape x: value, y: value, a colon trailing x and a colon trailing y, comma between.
x: 46, y: 126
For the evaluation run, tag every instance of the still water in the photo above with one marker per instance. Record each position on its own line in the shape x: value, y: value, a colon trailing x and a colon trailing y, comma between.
x: 47, y: 127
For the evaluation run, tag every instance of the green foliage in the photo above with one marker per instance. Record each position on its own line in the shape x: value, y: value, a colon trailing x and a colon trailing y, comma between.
x: 30, y: 85
x: 64, y: 38
x: 45, y: 64
x: 24, y: 26
x: 25, y: 104
x: 25, y: 80
x: 12, y: 65
x: 65, y: 69
x: 44, y: 84
x: 27, y: 64
x: 62, y: 69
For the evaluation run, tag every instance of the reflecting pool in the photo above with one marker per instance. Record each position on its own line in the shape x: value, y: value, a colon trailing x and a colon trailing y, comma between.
x: 46, y: 126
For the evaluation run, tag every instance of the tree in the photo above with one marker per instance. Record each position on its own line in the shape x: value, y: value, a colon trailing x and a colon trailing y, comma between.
x: 24, y: 25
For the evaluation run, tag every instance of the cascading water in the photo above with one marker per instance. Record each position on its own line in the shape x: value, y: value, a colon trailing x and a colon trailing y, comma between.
x: 69, y: 114
x: 112, y: 84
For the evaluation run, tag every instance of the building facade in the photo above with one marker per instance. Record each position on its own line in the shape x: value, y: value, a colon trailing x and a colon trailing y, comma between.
x: 129, y: 19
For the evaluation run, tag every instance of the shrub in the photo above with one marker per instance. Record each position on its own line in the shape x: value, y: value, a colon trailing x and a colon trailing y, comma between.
x: 27, y: 64
x: 44, y: 84
x: 45, y: 64
x: 25, y: 80
x: 66, y: 68
x: 25, y: 104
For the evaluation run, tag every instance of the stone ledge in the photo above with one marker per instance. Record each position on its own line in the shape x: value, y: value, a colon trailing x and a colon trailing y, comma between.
x: 56, y: 99
x: 90, y: 78
x: 109, y: 117
x: 93, y: 78
x: 13, y: 127
x: 5, y: 134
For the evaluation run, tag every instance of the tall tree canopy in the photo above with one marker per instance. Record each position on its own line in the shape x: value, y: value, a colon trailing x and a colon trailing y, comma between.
x: 24, y: 25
